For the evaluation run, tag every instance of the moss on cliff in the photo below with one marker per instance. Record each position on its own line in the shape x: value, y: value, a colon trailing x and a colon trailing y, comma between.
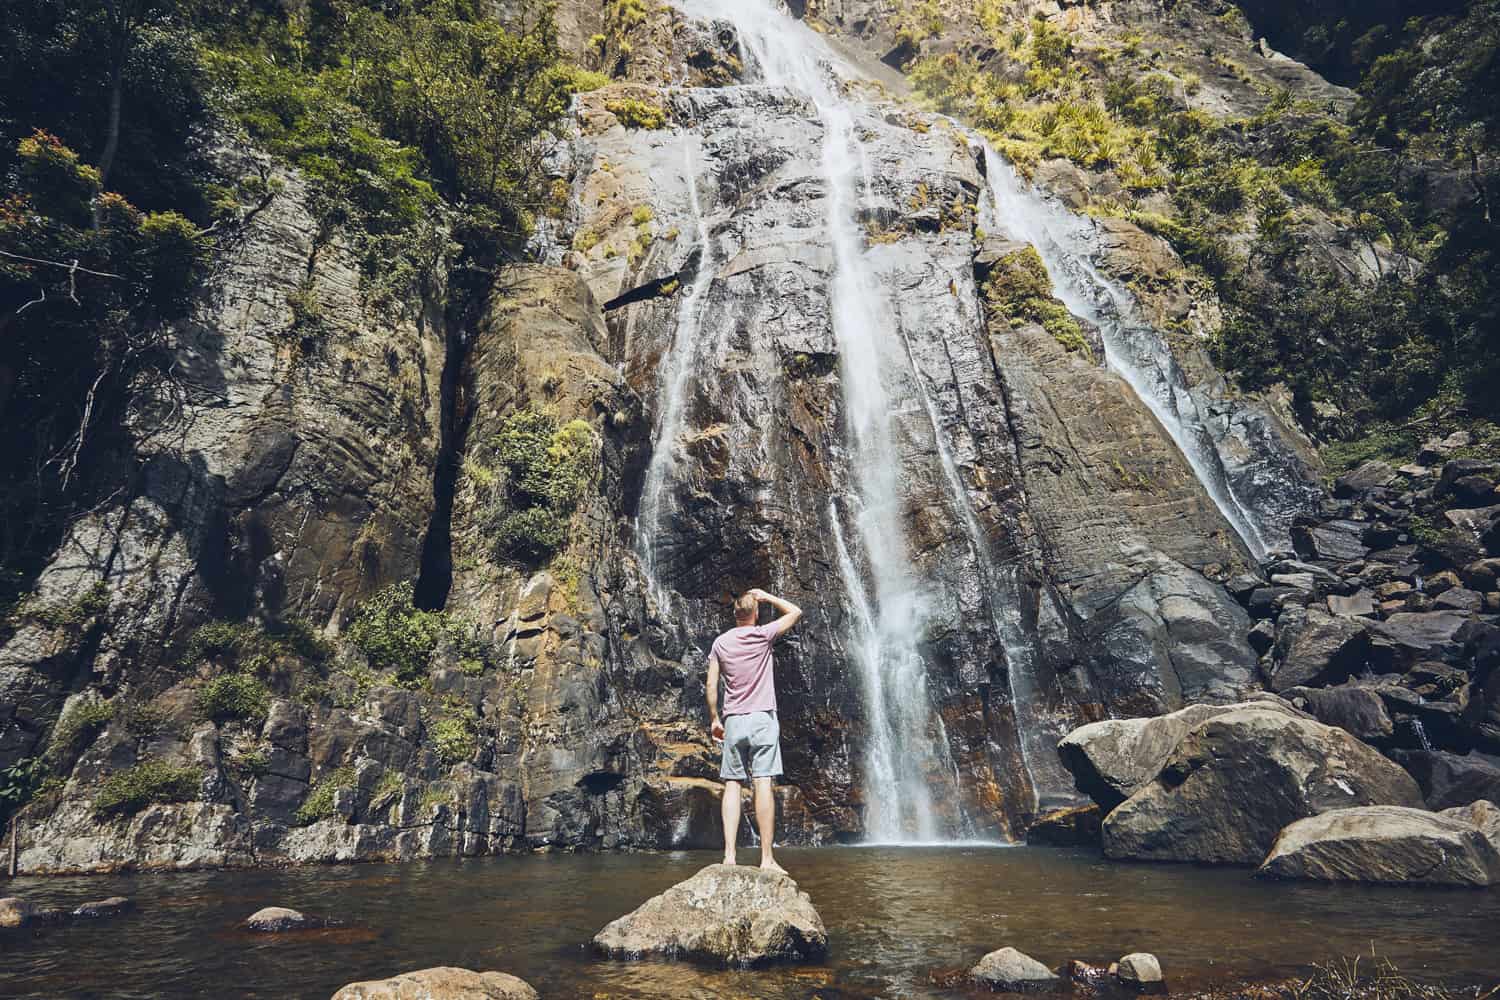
x: 1019, y: 291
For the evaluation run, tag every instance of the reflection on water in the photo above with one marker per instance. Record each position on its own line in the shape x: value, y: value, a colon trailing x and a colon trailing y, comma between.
x: 896, y: 918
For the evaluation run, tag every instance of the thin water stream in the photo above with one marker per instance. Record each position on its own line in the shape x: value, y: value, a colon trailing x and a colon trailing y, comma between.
x: 896, y: 918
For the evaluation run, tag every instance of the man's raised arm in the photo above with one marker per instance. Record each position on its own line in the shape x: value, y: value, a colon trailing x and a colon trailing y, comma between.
x: 790, y: 613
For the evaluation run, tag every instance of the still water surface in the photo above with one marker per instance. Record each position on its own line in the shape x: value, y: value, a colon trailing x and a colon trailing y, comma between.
x: 896, y: 918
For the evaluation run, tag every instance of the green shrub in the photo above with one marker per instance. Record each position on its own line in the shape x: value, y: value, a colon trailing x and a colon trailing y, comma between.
x: 456, y: 738
x: 319, y: 802
x: 69, y: 614
x: 548, y: 469
x: 251, y: 647
x: 77, y: 726
x: 144, y: 719
x: 396, y: 636
x: 633, y: 113
x: 1019, y: 290
x: 152, y: 781
x: 234, y: 697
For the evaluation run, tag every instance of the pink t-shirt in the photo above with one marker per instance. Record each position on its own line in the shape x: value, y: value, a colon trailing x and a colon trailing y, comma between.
x: 744, y: 654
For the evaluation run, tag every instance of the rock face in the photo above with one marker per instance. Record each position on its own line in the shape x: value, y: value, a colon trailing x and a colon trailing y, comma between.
x: 1237, y: 779
x: 725, y: 914
x: 1067, y: 559
x: 440, y: 983
x: 1385, y: 844
x: 1013, y: 971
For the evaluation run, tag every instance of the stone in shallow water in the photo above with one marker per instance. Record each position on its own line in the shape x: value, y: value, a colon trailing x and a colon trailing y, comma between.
x: 726, y: 914
x: 113, y: 906
x: 275, y: 919
x: 1387, y: 844
x: 1139, y: 968
x: 1009, y: 969
x: 440, y: 983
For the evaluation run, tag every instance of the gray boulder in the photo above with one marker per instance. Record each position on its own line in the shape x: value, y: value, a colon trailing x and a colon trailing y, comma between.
x: 1011, y: 970
x: 1358, y: 711
x: 726, y: 914
x: 440, y: 983
x: 277, y: 919
x: 1139, y: 969
x: 1237, y: 779
x: 1387, y: 844
x: 1317, y: 648
x: 1449, y: 779
x: 1110, y: 760
x: 111, y: 907
x: 1368, y: 476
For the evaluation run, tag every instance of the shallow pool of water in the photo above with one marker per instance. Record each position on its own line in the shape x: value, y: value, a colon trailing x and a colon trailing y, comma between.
x: 898, y: 920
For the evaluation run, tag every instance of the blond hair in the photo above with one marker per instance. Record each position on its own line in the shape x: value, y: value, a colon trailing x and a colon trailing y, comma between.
x: 745, y: 607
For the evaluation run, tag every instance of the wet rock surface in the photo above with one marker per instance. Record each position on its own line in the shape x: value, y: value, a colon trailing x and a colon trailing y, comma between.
x: 725, y: 914
x: 1386, y: 844
x: 279, y: 919
x: 441, y: 983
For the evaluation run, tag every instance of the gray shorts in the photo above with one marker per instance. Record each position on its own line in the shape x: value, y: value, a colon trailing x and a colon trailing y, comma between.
x: 752, y: 746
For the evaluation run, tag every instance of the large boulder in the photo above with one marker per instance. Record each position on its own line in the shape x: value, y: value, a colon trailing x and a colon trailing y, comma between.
x: 1111, y: 760
x: 440, y: 983
x: 1450, y: 779
x: 1012, y: 971
x: 1237, y: 779
x: 725, y: 914
x: 1388, y: 844
x: 1483, y: 815
x: 1359, y: 711
x: 1316, y: 647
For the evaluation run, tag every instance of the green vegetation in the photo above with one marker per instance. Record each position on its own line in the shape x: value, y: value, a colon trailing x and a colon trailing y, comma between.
x: 397, y: 637
x: 547, y: 471
x: 635, y: 113
x: 77, y: 727
x: 19, y: 783
x: 1364, y: 341
x: 1019, y: 291
x: 417, y: 125
x: 88, y: 606
x: 128, y: 792
x: 319, y: 802
x: 456, y: 736
x: 253, y: 648
x: 234, y: 697
x: 387, y: 790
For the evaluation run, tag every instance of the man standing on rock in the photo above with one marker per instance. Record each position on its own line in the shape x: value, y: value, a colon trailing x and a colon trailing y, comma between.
x: 749, y: 730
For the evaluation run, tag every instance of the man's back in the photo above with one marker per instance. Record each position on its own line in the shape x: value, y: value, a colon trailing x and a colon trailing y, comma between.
x: 744, y: 654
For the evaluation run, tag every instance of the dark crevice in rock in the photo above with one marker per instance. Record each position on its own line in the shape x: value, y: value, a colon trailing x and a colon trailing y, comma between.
x: 667, y: 284
x: 436, y: 576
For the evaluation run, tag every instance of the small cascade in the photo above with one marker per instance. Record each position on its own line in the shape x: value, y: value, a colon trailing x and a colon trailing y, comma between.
x: 676, y: 369
x: 1133, y: 349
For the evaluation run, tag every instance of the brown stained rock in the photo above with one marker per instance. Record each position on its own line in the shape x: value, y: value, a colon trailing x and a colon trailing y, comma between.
x: 1360, y: 605
x: 440, y: 983
x: 14, y: 912
x: 1237, y: 779
x: 1387, y: 844
x: 725, y: 914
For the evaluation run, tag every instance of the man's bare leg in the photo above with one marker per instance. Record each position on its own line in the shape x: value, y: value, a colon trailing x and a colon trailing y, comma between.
x: 730, y: 808
x: 765, y: 821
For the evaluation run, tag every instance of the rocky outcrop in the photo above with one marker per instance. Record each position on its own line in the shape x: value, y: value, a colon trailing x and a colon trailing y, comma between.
x: 1385, y: 844
x: 1012, y: 971
x: 725, y: 914
x: 1237, y: 779
x: 440, y: 983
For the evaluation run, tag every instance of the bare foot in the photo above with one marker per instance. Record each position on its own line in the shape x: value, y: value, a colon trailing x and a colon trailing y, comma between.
x: 729, y: 859
x: 771, y: 866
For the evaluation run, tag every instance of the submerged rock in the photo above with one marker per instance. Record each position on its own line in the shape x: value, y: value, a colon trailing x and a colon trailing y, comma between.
x: 111, y: 907
x: 18, y: 912
x: 1387, y: 844
x: 729, y: 914
x: 1237, y: 779
x: 1010, y: 970
x: 275, y: 919
x: 441, y: 983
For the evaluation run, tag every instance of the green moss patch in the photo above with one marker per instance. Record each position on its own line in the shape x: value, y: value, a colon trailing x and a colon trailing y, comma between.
x: 128, y: 792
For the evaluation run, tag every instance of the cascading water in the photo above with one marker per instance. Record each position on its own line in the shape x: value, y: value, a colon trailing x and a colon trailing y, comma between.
x: 905, y: 749
x: 675, y: 372
x: 1133, y: 349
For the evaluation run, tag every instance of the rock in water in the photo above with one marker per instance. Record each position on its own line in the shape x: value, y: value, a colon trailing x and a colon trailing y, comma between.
x: 275, y: 919
x: 1385, y: 844
x: 1237, y: 779
x: 729, y: 914
x: 113, y: 906
x: 1008, y: 969
x: 441, y: 983
x: 14, y: 912
x: 1139, y: 969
